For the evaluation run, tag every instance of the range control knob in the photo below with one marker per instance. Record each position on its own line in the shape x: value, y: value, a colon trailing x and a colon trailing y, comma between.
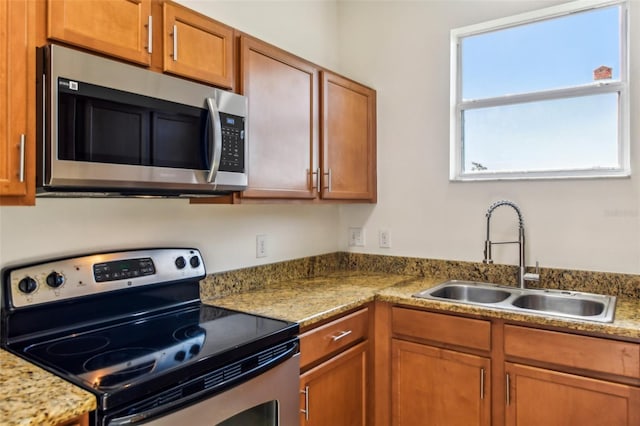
x: 55, y: 279
x: 27, y: 285
x: 180, y: 262
x: 194, y: 261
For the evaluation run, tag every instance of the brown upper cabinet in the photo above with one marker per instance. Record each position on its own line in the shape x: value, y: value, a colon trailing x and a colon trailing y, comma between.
x: 196, y: 46
x: 17, y: 115
x: 348, y: 139
x: 120, y: 28
x: 312, y: 133
x: 283, y: 123
x: 191, y: 45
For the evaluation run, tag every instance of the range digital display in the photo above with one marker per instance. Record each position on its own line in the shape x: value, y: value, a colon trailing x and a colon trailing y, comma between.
x: 123, y: 269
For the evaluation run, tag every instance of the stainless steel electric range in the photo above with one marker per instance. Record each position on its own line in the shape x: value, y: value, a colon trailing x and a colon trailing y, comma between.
x: 129, y: 327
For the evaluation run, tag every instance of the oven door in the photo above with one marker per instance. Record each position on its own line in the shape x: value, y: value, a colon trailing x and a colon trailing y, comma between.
x: 269, y: 399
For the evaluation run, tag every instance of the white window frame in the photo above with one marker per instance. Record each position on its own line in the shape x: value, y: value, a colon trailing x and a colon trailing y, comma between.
x: 458, y: 106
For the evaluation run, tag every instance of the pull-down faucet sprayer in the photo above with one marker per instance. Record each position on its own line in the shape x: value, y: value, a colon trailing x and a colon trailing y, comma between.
x: 488, y: 243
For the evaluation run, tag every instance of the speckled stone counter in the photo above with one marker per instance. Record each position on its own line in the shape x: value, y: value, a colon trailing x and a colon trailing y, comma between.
x: 311, y: 300
x: 31, y: 396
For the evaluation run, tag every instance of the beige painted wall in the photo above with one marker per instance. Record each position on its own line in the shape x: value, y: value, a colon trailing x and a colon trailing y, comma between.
x: 402, y: 49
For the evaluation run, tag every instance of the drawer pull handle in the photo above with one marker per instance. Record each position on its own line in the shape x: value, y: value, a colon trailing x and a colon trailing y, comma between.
x: 150, y: 34
x: 508, y: 390
x: 482, y: 383
x: 341, y: 335
x: 306, y: 403
x: 175, y: 43
x: 318, y: 175
x: 22, y: 153
x: 328, y: 175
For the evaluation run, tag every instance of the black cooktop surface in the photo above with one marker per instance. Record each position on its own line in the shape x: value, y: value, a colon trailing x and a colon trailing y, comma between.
x: 140, y: 349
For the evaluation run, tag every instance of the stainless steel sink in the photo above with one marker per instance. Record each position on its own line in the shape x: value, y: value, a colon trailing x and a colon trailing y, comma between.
x: 471, y: 293
x: 568, y: 304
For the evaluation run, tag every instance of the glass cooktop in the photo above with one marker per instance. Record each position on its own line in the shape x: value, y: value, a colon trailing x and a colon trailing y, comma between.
x: 141, y: 349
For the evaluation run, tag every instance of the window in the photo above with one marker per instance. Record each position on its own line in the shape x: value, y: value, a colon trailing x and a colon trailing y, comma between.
x: 542, y: 95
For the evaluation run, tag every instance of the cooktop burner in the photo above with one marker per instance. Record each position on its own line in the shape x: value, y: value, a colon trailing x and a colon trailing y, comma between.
x: 78, y: 346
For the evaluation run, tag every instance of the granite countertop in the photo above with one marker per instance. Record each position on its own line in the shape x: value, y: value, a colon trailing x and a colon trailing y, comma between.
x: 30, y: 395
x: 310, y: 300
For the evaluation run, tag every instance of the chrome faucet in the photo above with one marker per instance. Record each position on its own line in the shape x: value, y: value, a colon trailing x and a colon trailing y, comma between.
x: 522, y: 276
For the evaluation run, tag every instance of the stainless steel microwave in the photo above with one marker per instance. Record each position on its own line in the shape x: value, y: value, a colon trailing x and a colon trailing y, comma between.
x: 113, y: 129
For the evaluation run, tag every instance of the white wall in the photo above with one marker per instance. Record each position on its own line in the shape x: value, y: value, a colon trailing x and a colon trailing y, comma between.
x: 225, y: 234
x: 402, y: 49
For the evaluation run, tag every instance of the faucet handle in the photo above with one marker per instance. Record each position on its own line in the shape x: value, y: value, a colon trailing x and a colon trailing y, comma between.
x: 529, y: 276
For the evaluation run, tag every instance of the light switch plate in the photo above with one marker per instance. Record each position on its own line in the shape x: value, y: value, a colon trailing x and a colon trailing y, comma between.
x: 356, y: 237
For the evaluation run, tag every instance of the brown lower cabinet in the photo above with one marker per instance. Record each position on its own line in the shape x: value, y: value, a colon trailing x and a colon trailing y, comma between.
x: 539, y: 396
x: 434, y: 386
x: 335, y: 372
x: 334, y: 392
x: 454, y: 370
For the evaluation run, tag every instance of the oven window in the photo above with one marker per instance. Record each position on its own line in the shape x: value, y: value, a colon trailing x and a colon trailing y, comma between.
x: 261, y: 415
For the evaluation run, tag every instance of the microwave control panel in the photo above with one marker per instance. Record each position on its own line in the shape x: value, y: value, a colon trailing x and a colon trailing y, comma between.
x: 232, y: 157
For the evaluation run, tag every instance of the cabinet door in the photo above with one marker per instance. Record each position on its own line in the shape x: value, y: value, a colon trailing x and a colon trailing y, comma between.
x: 334, y: 393
x: 78, y: 421
x: 544, y: 397
x: 433, y: 386
x: 16, y: 102
x: 115, y: 27
x: 196, y: 46
x: 348, y: 139
x: 283, y: 121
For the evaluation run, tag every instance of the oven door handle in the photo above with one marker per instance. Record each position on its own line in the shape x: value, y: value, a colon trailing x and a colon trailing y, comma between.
x: 215, y: 139
x: 137, y: 418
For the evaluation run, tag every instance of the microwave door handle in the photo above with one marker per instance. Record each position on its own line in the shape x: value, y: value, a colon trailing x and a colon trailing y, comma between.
x: 215, y: 135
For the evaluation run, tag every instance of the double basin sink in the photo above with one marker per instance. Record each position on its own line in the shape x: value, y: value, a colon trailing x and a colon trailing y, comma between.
x: 567, y: 304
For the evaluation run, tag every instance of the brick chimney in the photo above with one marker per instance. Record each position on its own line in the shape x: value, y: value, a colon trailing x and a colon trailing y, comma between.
x: 602, y: 73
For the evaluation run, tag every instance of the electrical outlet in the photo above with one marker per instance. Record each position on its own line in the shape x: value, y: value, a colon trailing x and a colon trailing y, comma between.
x: 261, y: 245
x: 356, y: 237
x: 384, y: 238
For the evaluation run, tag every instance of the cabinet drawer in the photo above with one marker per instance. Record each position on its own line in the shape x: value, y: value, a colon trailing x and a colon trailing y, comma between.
x: 82, y: 420
x: 332, y: 337
x: 449, y: 329
x: 570, y: 350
